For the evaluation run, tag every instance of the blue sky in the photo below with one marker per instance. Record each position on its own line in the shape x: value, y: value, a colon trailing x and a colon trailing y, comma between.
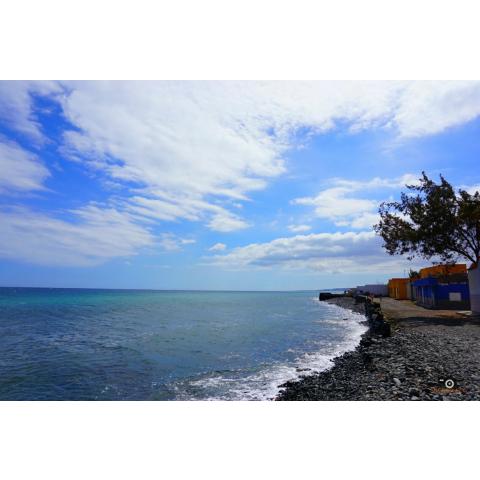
x: 218, y: 185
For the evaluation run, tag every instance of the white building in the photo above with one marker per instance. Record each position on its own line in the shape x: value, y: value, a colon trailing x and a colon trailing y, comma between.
x: 474, y: 287
x: 377, y: 289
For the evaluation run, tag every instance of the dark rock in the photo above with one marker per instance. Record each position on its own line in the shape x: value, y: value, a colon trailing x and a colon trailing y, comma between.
x: 327, y: 296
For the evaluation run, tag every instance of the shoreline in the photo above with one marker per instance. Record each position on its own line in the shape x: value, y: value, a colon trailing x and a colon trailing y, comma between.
x: 411, y: 364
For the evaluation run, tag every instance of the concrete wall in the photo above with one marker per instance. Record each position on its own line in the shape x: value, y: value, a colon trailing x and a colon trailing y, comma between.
x: 375, y: 289
x: 474, y: 284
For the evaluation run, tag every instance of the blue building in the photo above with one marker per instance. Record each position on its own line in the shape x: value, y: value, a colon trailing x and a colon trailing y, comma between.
x: 443, y: 292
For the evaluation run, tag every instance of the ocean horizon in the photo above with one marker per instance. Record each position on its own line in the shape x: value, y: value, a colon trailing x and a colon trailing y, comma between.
x: 171, y: 289
x: 116, y: 344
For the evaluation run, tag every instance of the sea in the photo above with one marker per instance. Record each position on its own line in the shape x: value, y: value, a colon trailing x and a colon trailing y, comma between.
x: 88, y: 344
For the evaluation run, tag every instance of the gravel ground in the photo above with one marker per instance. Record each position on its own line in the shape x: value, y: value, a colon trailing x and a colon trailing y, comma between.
x: 412, y: 364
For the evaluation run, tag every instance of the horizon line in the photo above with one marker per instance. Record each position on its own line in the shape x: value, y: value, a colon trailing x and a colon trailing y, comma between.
x: 173, y: 289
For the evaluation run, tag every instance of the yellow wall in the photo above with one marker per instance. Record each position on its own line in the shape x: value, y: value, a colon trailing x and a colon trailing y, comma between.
x: 397, y: 288
x: 438, y: 270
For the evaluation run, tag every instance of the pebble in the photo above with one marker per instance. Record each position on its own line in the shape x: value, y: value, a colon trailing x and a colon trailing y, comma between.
x: 408, y: 365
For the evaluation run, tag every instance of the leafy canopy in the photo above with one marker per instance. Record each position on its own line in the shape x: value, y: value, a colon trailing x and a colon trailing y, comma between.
x: 431, y: 220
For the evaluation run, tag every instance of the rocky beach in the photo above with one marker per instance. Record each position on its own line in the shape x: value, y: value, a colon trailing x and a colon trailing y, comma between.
x: 430, y: 355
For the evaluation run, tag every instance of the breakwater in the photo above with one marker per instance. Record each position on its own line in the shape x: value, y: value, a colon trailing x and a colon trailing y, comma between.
x: 322, y: 296
x: 376, y: 319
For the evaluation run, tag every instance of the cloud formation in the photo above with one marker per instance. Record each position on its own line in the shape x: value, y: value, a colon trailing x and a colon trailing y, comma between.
x: 299, y: 228
x: 341, y: 205
x: 218, y: 247
x: 196, y: 151
x: 172, y: 243
x: 350, y: 252
x: 95, y: 236
x: 17, y: 108
x: 189, y: 146
x: 21, y: 171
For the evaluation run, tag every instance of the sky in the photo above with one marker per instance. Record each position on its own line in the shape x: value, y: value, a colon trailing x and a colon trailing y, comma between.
x: 219, y: 185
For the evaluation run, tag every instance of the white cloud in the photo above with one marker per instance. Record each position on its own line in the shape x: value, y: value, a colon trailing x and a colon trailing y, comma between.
x: 365, y: 221
x: 177, y: 142
x: 195, y: 150
x: 432, y: 107
x: 172, y: 243
x: 350, y: 252
x: 218, y: 247
x: 16, y: 105
x: 335, y: 202
x: 20, y: 170
x: 378, y: 182
x: 340, y: 205
x: 191, y: 145
x: 94, y: 236
x: 227, y: 222
x: 299, y: 228
x: 472, y: 189
x: 193, y: 209
x: 162, y: 209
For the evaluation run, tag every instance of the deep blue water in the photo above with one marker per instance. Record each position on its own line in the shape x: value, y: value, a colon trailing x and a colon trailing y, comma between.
x: 76, y: 344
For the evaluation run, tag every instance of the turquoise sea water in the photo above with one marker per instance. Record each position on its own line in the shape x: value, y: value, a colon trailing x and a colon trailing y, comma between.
x: 79, y: 344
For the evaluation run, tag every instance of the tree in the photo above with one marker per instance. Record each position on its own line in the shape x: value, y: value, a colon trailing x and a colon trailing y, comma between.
x: 413, y: 274
x: 432, y: 221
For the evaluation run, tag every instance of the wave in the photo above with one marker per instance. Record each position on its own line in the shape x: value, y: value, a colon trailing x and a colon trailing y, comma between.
x: 264, y: 384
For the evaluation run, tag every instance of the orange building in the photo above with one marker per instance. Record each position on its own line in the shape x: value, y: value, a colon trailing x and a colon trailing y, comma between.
x: 443, y: 270
x: 398, y: 288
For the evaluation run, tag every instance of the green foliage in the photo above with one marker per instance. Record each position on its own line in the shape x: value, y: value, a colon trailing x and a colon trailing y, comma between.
x: 431, y: 220
x: 413, y: 274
